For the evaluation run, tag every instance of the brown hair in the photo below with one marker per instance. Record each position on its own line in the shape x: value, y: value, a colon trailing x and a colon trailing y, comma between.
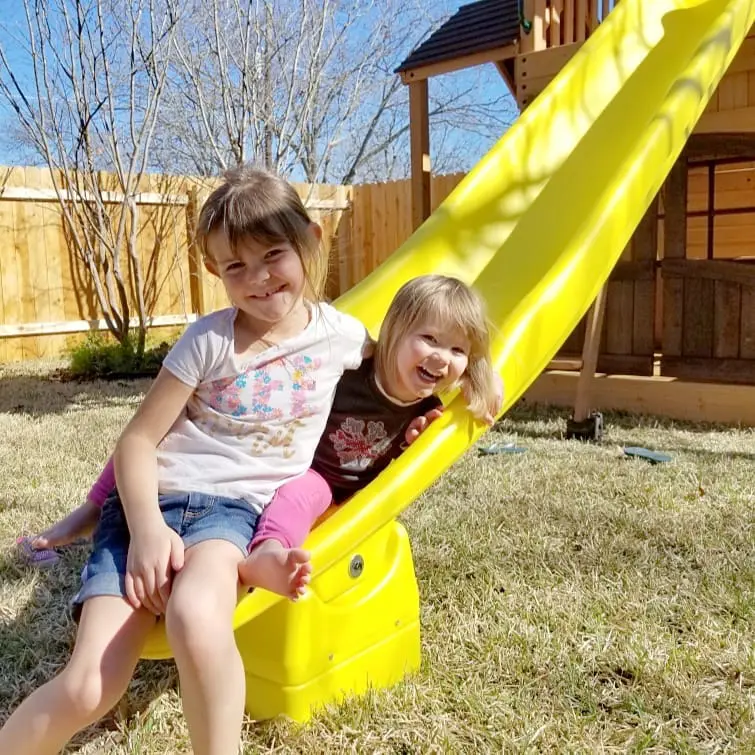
x: 455, y: 305
x: 255, y: 203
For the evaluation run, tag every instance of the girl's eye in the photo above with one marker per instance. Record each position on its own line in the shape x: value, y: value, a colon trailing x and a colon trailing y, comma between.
x: 459, y: 351
x: 234, y: 267
x: 430, y: 338
x: 273, y: 253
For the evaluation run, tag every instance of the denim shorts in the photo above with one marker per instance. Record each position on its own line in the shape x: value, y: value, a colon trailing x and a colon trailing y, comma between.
x: 196, y: 517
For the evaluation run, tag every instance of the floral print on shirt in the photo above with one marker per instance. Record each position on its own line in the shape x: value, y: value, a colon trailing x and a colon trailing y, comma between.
x: 359, y: 443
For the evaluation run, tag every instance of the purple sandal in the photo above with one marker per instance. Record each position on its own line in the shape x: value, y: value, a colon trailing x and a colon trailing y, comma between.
x: 42, y: 558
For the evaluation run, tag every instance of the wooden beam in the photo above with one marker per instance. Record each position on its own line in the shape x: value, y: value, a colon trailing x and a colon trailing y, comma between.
x: 419, y: 127
x: 535, y: 70
x: 565, y: 363
x: 582, y: 16
x: 674, y: 247
x: 567, y: 22
x: 634, y: 270
x: 457, y: 64
x: 506, y: 69
x: 25, y: 193
x: 675, y: 210
x: 539, y: 26
x: 715, y: 270
x: 727, y: 121
x: 614, y: 364
x: 30, y: 194
x: 660, y: 396
x: 718, y: 370
x: 554, y: 25
x: 83, y: 326
x: 744, y: 60
x: 545, y: 62
x: 704, y: 147
x: 590, y: 356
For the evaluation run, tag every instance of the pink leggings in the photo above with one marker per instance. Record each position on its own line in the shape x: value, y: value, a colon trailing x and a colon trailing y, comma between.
x: 288, y: 518
x: 295, y: 507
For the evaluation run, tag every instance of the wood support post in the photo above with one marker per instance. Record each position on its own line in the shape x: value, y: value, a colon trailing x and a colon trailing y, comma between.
x: 590, y: 355
x: 419, y: 127
x: 674, y: 248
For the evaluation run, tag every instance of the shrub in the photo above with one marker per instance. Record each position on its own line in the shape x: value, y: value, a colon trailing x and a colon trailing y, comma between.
x: 101, y: 357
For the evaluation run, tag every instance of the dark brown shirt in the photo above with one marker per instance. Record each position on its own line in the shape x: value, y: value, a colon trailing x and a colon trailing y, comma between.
x: 364, y: 433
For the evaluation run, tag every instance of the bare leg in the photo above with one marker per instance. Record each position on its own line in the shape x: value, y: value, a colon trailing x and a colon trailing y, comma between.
x: 110, y: 638
x: 270, y: 565
x: 78, y: 524
x: 199, y: 626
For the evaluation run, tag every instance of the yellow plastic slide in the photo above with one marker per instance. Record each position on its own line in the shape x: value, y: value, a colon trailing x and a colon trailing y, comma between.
x: 537, y: 227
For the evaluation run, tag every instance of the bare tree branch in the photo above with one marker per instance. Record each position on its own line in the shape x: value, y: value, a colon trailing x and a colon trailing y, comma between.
x: 92, y: 104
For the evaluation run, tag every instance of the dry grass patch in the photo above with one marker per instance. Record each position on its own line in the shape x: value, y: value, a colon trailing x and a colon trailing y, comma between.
x: 573, y: 600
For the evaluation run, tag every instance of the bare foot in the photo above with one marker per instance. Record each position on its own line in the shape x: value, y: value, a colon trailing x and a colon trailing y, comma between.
x: 80, y: 523
x: 285, y: 571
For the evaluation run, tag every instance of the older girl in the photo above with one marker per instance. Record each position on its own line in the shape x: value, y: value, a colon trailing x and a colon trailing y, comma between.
x: 236, y: 411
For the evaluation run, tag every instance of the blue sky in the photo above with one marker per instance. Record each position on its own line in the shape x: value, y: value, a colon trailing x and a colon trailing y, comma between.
x: 14, y: 23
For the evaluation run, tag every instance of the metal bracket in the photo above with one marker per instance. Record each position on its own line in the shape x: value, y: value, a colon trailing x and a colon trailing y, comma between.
x: 590, y: 429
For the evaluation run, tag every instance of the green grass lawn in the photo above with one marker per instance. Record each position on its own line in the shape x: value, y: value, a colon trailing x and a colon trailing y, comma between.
x: 572, y: 600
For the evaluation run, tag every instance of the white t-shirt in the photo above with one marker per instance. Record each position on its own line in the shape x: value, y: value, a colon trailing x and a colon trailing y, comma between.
x: 249, y: 427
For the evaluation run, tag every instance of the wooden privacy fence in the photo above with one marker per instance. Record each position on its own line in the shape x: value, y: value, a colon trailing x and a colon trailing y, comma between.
x: 46, y: 297
x: 681, y: 300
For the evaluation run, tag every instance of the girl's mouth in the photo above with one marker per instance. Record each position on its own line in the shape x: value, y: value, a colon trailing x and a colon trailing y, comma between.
x: 427, y: 376
x: 270, y: 293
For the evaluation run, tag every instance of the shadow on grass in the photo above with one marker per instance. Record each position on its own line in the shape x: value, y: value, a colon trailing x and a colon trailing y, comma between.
x: 39, y: 395
x: 37, y: 643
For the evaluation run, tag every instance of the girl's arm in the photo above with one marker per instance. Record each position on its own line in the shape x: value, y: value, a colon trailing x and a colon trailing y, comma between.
x: 155, y: 550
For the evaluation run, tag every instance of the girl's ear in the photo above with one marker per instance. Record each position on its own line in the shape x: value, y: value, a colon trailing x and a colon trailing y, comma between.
x: 211, y: 266
x: 316, y: 230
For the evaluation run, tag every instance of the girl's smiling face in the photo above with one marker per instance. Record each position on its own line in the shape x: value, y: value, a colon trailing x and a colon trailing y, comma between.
x: 431, y: 358
x: 265, y: 281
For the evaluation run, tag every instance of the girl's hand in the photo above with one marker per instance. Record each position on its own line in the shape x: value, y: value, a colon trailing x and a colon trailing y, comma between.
x: 153, y: 557
x: 419, y: 424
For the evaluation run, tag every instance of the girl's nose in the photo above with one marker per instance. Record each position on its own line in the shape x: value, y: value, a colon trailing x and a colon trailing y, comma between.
x: 258, y: 273
x: 440, y: 355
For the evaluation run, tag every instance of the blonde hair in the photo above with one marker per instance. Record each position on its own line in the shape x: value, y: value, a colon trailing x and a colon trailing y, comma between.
x: 254, y: 203
x: 449, y: 301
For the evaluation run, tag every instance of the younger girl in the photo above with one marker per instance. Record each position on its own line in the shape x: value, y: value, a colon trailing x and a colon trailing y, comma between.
x: 433, y: 338
x: 236, y: 411
x: 434, y: 335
